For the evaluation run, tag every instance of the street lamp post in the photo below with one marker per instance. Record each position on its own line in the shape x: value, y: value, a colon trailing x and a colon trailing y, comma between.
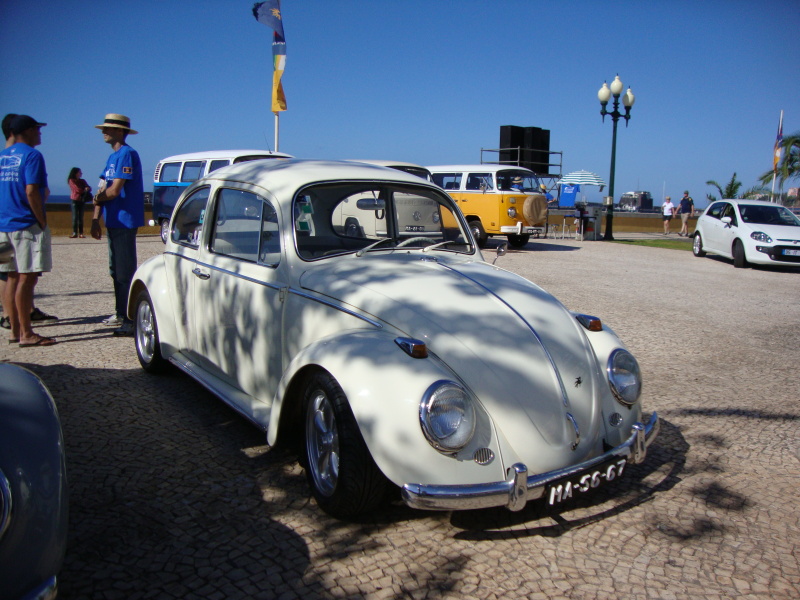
x: 604, y: 95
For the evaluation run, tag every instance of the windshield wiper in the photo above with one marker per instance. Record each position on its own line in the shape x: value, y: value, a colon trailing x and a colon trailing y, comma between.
x: 434, y: 246
x: 366, y: 249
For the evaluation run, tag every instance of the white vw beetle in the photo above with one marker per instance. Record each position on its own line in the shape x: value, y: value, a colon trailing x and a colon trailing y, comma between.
x: 393, y: 359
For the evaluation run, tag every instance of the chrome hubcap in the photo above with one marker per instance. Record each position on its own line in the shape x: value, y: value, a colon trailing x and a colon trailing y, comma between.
x: 145, y: 332
x: 322, y: 443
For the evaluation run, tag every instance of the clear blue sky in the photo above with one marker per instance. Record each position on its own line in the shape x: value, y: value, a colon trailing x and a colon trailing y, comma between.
x: 429, y: 82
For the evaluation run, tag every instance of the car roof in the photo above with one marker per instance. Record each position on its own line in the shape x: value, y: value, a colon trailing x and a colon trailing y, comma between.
x: 218, y: 154
x: 387, y: 163
x: 490, y: 168
x: 745, y: 201
x: 294, y: 173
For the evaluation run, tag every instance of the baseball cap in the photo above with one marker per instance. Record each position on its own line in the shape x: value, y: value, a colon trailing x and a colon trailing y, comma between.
x: 22, y: 123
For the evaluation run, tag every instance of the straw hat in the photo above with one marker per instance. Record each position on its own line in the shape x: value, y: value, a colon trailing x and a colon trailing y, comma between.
x: 119, y: 121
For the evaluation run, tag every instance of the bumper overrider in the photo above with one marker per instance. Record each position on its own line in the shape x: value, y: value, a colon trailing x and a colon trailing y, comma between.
x: 519, y: 488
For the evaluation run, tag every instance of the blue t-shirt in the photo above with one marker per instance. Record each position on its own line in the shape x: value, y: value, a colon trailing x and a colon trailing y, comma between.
x: 20, y: 165
x: 126, y: 211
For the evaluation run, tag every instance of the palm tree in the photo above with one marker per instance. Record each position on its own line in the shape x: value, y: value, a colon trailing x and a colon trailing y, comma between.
x: 731, y: 190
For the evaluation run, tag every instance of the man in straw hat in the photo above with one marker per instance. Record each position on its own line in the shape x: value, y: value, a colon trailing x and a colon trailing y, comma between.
x: 120, y: 200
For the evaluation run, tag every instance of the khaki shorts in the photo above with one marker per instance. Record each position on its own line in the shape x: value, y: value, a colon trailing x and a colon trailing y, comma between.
x: 32, y: 251
x: 684, y: 218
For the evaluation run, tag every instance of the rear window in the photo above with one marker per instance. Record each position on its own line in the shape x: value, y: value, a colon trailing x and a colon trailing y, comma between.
x: 447, y: 181
x: 193, y: 170
x: 170, y: 172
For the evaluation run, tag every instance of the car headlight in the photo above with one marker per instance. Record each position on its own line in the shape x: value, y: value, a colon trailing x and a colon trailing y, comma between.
x: 760, y: 236
x: 447, y: 416
x: 512, y: 212
x: 624, y: 376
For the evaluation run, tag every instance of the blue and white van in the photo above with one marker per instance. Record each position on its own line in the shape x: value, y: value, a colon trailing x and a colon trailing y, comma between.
x: 175, y: 173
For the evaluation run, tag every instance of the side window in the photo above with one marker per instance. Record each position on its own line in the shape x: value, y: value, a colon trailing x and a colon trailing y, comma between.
x: 218, y: 164
x: 188, y: 222
x: 479, y: 182
x: 447, y: 181
x: 716, y: 210
x: 170, y: 171
x: 193, y: 170
x: 245, y: 227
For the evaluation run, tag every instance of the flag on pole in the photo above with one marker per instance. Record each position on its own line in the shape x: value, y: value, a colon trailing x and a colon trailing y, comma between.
x: 777, y: 152
x: 269, y: 13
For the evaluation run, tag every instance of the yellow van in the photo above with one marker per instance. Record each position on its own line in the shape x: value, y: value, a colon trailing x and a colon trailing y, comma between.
x: 496, y: 200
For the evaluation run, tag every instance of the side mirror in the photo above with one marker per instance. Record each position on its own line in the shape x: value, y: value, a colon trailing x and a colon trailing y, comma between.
x: 501, y: 251
x: 726, y: 220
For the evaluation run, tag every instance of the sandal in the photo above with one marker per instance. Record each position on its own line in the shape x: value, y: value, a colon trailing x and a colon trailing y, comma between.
x: 40, y: 341
x: 13, y: 340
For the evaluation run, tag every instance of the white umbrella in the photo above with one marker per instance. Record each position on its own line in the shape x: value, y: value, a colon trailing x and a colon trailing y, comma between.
x: 583, y: 178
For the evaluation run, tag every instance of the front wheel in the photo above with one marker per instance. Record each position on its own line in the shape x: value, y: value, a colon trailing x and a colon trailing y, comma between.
x: 697, y: 246
x: 344, y: 479
x: 518, y: 241
x: 739, y: 258
x: 148, y: 346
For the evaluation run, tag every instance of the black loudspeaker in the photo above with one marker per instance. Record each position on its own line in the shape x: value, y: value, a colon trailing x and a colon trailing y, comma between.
x: 535, y: 147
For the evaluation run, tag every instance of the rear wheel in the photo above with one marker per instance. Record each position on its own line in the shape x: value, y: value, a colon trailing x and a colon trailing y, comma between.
x: 164, y: 230
x: 478, y: 233
x: 148, y: 348
x: 697, y: 246
x: 518, y: 241
x: 344, y: 479
x: 739, y: 259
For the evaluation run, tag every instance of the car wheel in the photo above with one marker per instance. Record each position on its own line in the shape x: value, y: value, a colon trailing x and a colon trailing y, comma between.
x: 344, y: 479
x: 148, y: 347
x: 697, y: 246
x: 164, y: 230
x: 739, y: 259
x: 518, y: 241
x: 478, y: 233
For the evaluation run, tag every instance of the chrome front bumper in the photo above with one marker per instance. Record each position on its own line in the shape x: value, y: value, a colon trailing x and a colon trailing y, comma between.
x: 519, y: 488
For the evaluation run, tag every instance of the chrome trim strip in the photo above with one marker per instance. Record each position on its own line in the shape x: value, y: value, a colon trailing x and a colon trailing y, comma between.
x: 338, y: 307
x: 276, y: 286
x: 519, y: 488
x: 564, y: 397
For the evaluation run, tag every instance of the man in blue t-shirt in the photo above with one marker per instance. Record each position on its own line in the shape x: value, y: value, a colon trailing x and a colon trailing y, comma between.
x: 121, y: 201
x: 23, y: 224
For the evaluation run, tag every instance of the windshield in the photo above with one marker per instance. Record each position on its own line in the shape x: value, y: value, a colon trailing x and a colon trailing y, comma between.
x: 340, y: 218
x: 519, y: 180
x: 757, y: 214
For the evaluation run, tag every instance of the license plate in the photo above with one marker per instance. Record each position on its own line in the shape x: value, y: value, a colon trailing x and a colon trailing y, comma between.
x: 585, y: 482
x: 415, y: 228
x: 791, y: 252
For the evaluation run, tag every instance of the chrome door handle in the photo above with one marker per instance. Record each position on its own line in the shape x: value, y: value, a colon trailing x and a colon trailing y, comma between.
x: 201, y: 274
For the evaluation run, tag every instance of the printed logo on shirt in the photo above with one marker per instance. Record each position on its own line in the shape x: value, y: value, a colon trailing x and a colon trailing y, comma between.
x: 127, y: 170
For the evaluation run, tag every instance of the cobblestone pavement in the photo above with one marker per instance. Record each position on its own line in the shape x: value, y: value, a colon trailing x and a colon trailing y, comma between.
x: 172, y: 495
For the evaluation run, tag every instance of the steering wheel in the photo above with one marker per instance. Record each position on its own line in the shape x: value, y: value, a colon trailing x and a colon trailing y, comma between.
x: 415, y: 239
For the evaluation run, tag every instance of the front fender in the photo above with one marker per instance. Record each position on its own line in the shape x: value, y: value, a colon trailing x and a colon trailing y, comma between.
x: 384, y: 387
x: 152, y: 277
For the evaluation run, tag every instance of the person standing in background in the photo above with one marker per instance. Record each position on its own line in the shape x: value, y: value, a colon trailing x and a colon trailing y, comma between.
x: 686, y: 210
x: 667, y: 212
x: 120, y: 199
x: 78, y: 188
x: 23, y: 223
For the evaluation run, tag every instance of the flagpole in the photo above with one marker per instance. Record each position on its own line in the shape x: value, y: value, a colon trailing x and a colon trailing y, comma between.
x: 775, y: 160
x: 277, y: 130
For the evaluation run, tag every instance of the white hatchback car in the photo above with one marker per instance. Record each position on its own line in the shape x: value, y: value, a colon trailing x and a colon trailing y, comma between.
x: 391, y: 360
x: 749, y: 231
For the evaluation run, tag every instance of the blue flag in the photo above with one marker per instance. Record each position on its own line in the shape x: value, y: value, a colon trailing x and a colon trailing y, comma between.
x: 269, y: 13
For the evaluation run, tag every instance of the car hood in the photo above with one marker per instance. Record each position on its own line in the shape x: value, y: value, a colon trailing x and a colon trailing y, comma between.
x: 515, y: 346
x: 779, y: 233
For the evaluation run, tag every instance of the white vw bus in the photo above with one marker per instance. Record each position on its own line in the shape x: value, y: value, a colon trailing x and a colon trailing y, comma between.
x: 175, y: 173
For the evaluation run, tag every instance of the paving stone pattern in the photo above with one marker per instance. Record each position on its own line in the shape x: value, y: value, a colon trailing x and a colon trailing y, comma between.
x: 172, y: 495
